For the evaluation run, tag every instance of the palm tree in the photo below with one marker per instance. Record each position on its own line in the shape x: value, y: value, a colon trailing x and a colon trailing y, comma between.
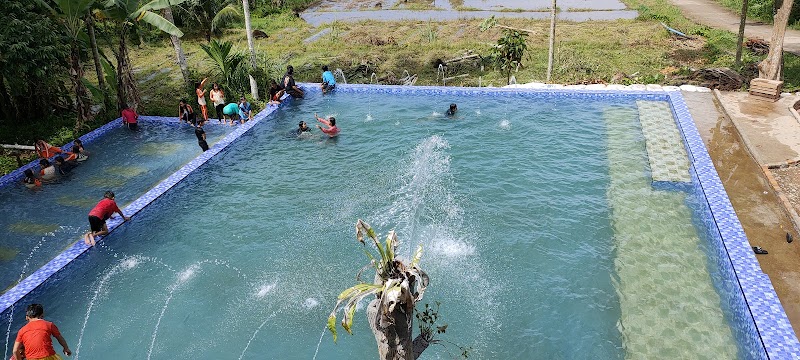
x: 212, y: 15
x: 126, y: 13
x: 397, y: 288
x: 70, y: 14
x: 249, y: 29
x: 224, y: 60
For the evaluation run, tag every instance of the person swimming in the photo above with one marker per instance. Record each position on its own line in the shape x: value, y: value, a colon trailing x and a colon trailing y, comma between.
x: 47, y: 172
x: 64, y: 167
x: 302, y: 128
x: 331, y: 130
x: 30, y: 181
x: 452, y: 110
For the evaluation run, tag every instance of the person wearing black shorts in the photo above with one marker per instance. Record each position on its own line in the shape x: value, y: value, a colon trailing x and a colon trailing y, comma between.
x: 98, y: 216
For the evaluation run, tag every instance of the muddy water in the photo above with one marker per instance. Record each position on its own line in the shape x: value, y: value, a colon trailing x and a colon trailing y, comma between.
x: 756, y: 205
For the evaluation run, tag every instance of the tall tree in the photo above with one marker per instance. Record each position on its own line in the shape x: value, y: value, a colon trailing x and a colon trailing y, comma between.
x: 71, y: 15
x: 176, y: 43
x: 772, y: 67
x: 552, y: 41
x: 249, y: 29
x: 95, y: 52
x: 740, y: 39
x: 126, y: 13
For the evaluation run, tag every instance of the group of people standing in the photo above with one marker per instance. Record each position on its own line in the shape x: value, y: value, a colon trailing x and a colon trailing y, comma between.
x: 230, y: 112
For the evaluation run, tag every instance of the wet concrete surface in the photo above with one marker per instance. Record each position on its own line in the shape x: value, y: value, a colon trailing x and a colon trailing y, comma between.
x: 324, y: 17
x: 768, y: 128
x: 763, y: 218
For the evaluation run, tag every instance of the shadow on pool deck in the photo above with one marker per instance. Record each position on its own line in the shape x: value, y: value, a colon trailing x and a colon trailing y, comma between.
x: 758, y: 207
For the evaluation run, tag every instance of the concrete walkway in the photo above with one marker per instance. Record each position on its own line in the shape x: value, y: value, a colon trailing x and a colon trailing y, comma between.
x: 710, y: 13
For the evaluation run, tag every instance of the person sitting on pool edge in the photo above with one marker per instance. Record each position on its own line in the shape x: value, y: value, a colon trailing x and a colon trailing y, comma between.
x: 33, y: 340
x: 452, y: 110
x: 275, y: 93
x: 186, y: 113
x: 231, y: 112
x: 289, y: 85
x: 245, y: 110
x: 328, y: 81
x: 331, y: 130
x: 30, y: 181
x: 98, y: 216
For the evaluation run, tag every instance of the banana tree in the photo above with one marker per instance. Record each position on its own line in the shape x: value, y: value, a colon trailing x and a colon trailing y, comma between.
x: 397, y: 288
x: 127, y: 13
x: 70, y: 14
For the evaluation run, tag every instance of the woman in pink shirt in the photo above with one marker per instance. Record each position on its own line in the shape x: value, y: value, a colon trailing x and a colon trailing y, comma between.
x: 98, y: 216
x: 331, y: 130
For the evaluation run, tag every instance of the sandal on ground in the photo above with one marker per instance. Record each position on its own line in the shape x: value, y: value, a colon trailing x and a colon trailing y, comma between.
x: 759, y: 250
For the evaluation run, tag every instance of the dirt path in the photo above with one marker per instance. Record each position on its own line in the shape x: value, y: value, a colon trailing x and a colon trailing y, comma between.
x: 708, y: 12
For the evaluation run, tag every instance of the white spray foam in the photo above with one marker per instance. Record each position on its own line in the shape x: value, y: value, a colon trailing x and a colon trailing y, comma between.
x: 265, y: 289
x: 310, y: 303
x: 505, y: 125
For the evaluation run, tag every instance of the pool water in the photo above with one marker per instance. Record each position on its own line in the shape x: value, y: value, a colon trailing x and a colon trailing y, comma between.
x: 517, y: 202
x: 38, y: 224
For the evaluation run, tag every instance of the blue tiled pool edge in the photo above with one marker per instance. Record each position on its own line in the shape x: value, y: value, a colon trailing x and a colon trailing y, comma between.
x: 760, y: 302
x: 30, y: 283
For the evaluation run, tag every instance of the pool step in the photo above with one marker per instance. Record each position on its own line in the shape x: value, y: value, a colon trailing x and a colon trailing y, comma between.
x: 669, y: 163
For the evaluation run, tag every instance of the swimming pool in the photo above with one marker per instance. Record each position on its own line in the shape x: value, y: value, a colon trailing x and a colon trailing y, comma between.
x: 535, y: 211
x: 40, y: 223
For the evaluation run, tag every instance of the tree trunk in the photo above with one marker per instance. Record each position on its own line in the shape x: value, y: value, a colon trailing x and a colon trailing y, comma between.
x: 249, y: 29
x: 552, y: 41
x: 176, y: 42
x: 771, y: 67
x: 392, y: 331
x: 95, y: 53
x: 127, y: 94
x: 76, y: 75
x: 740, y: 40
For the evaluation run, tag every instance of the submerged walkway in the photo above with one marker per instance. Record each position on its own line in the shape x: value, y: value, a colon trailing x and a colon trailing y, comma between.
x: 710, y: 13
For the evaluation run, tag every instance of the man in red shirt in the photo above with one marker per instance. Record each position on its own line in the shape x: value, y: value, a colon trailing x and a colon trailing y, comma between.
x: 33, y: 340
x: 129, y: 118
x: 98, y: 216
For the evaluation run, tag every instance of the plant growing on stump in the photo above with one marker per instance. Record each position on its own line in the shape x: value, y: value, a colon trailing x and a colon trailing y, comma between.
x: 397, y: 288
x: 507, y: 54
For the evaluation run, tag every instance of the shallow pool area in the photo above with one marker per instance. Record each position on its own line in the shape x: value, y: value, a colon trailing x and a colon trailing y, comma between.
x: 40, y: 223
x: 542, y: 230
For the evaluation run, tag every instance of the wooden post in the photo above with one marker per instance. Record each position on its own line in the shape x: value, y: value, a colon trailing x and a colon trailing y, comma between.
x: 552, y: 41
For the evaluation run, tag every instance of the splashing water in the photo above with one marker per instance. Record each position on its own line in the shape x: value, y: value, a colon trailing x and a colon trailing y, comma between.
x: 21, y: 276
x: 310, y: 303
x: 324, y: 329
x: 265, y: 289
x: 122, y: 266
x: 505, y: 125
x: 183, y: 277
x: 369, y: 117
x: 256, y: 333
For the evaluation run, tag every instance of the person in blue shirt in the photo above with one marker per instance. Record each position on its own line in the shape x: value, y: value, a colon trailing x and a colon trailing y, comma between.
x: 245, y: 111
x: 328, y: 82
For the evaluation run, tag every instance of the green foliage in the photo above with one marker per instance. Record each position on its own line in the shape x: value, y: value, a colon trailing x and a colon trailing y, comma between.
x: 228, y: 64
x: 33, y: 63
x: 227, y: 15
x: 508, y: 53
x: 761, y: 9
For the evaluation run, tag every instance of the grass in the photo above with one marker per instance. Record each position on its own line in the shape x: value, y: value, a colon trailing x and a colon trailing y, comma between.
x: 621, y: 51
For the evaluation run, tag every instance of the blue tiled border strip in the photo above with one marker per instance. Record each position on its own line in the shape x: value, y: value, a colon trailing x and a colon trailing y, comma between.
x: 33, y: 281
x: 772, y: 326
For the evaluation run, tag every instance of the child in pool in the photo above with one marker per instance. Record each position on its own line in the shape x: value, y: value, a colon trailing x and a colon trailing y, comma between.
x: 30, y: 181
